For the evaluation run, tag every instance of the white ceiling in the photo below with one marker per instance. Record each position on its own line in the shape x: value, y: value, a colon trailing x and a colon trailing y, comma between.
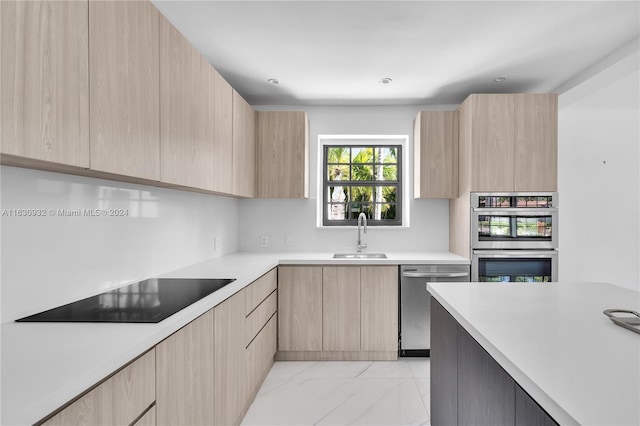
x: 436, y: 52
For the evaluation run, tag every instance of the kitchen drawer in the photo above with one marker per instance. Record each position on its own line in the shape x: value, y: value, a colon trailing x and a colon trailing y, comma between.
x: 149, y: 418
x: 260, y: 316
x: 119, y: 400
x: 259, y: 290
x: 259, y: 355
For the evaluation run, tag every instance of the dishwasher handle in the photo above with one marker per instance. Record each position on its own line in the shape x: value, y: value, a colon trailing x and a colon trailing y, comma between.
x: 414, y: 274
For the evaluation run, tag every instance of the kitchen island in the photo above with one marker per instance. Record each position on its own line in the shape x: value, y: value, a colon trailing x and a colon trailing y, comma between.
x: 555, y: 344
x: 46, y: 365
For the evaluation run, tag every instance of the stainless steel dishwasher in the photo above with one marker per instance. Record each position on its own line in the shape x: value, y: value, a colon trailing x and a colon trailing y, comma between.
x: 415, y: 303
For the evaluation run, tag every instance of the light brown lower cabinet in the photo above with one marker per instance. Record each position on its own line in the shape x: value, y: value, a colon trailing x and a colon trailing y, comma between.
x: 184, y: 375
x: 340, y: 308
x: 119, y: 400
x: 261, y: 332
x: 259, y: 357
x: 338, y: 313
x: 379, y: 308
x: 260, y: 289
x: 300, y: 308
x: 229, y: 346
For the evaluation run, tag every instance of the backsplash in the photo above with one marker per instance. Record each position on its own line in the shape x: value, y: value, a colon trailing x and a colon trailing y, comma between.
x: 274, y: 219
x: 67, y: 237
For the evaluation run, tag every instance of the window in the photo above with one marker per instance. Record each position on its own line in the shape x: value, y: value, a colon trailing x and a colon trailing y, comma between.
x: 362, y: 179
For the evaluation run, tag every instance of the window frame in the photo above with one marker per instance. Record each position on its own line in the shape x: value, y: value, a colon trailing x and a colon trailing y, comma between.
x: 362, y: 142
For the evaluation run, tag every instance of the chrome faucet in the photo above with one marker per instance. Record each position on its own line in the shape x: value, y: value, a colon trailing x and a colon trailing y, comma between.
x: 362, y: 218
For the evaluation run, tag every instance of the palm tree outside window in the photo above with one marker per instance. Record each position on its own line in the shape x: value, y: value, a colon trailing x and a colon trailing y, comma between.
x: 364, y: 179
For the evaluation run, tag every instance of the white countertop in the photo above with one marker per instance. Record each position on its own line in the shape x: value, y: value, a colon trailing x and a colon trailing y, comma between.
x: 554, y: 340
x: 45, y: 365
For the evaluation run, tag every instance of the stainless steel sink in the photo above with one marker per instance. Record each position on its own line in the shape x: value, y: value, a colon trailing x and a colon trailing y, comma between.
x: 359, y: 256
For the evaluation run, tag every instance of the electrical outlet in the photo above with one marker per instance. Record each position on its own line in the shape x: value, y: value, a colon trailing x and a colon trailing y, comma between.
x: 264, y: 241
x: 216, y: 244
x: 288, y: 239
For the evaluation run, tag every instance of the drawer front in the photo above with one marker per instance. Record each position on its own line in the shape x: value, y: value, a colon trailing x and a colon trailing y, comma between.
x: 149, y: 418
x: 260, y: 316
x: 259, y: 355
x: 259, y: 290
x: 119, y: 400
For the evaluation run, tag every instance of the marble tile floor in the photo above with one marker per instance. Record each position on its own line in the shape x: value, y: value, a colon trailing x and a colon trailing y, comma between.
x: 343, y: 393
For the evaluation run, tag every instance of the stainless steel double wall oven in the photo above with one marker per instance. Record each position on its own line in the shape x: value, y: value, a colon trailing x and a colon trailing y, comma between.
x: 514, y: 237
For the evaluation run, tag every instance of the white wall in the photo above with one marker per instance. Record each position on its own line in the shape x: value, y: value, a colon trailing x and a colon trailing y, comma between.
x: 429, y: 223
x: 47, y: 261
x: 599, y: 180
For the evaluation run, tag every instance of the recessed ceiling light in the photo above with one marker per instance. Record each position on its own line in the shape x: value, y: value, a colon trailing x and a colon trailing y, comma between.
x: 385, y: 80
x: 273, y: 81
x: 500, y: 79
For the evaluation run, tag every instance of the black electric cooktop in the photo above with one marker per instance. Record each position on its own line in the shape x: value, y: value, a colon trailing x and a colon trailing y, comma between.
x: 148, y: 301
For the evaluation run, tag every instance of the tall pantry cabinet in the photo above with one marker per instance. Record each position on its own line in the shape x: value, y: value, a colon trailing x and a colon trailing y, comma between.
x: 507, y: 143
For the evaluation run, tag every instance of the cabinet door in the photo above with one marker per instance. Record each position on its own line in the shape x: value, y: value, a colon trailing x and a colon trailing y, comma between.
x: 222, y: 100
x: 229, y: 366
x: 486, y: 393
x: 244, y: 147
x: 436, y: 154
x: 379, y: 306
x: 536, y: 142
x: 300, y: 308
x: 117, y: 401
x: 124, y: 49
x: 341, y: 308
x: 529, y: 413
x: 45, y: 80
x: 444, y: 366
x: 186, y: 112
x: 283, y: 154
x: 184, y: 375
x: 492, y: 135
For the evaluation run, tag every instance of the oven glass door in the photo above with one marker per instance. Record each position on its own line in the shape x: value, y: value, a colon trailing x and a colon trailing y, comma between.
x: 506, y: 266
x: 508, y: 228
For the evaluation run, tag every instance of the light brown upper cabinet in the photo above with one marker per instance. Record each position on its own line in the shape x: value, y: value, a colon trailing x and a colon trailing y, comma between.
x: 45, y: 81
x: 508, y: 142
x: 536, y: 140
x: 244, y: 148
x: 187, y: 147
x: 221, y: 97
x: 283, y: 154
x: 435, y: 141
x: 124, y: 49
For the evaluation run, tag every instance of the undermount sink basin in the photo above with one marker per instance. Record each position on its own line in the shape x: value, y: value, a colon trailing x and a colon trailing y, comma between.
x: 359, y: 256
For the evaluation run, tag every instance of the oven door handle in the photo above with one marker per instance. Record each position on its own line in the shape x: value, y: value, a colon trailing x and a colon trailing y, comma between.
x: 435, y: 274
x: 491, y: 211
x: 494, y: 254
